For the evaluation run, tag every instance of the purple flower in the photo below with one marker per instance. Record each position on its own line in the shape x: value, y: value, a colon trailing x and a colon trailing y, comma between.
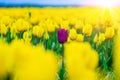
x: 62, y: 35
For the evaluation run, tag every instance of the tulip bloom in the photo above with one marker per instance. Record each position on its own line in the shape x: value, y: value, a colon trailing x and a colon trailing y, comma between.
x: 62, y: 35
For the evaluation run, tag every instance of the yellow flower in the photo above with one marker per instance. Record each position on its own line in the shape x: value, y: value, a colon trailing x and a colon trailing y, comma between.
x: 96, y: 38
x: 80, y: 37
x: 57, y: 26
x: 27, y: 37
x: 87, y: 30
x: 65, y: 25
x: 69, y: 40
x: 81, y: 61
x: 109, y: 33
x: 6, y: 59
x: 116, y: 55
x: 49, y: 26
x: 94, y: 22
x: 79, y: 25
x: 116, y: 26
x: 3, y: 29
x: 31, y: 63
x: 95, y: 57
x: 21, y: 25
x: 13, y: 31
x: 34, y: 20
x: 7, y: 20
x: 38, y: 31
x: 101, y: 38
x: 73, y: 34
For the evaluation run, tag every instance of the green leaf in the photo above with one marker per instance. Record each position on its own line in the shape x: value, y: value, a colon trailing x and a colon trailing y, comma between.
x: 8, y: 36
x: 20, y: 35
x: 62, y: 73
x: 35, y: 40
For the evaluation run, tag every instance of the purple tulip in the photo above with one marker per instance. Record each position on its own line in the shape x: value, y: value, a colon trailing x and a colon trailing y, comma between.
x: 62, y: 35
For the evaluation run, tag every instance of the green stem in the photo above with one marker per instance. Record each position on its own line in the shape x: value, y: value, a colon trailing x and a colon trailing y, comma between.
x: 46, y: 44
x: 106, y: 55
x: 62, y: 68
x: 63, y: 57
x: 107, y: 43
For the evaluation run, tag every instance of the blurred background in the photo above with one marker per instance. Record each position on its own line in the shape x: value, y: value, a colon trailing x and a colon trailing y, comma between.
x: 57, y: 2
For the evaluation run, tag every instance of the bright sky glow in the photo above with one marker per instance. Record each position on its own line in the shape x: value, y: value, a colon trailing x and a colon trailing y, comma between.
x: 103, y: 3
x: 108, y: 3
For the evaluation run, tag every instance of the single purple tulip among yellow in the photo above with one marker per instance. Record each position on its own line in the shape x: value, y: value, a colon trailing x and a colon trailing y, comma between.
x: 62, y: 35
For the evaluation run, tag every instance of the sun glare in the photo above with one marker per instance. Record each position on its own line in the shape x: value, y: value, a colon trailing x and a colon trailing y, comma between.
x: 108, y: 3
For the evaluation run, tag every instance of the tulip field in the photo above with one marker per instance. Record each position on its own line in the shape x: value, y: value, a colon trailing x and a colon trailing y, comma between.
x: 59, y: 43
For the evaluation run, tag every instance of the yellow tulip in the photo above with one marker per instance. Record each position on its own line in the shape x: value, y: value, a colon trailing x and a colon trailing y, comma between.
x: 73, y: 34
x: 34, y: 20
x: 65, y: 25
x: 38, y: 31
x: 69, y: 40
x: 79, y: 25
x: 21, y: 25
x: 87, y: 30
x: 27, y: 37
x: 3, y: 29
x: 81, y: 61
x: 7, y: 20
x: 31, y: 63
x: 101, y: 38
x: 109, y: 33
x: 80, y: 38
x: 96, y: 38
x: 116, y: 53
x: 6, y: 59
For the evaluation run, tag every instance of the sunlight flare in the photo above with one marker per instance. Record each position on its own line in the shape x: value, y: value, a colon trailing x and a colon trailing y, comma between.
x: 108, y: 3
